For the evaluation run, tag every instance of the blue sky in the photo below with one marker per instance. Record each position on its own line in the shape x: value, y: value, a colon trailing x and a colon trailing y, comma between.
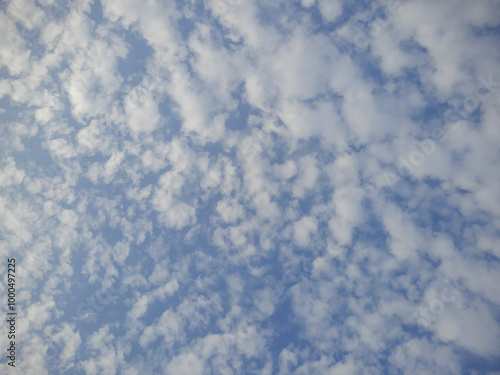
x: 243, y: 187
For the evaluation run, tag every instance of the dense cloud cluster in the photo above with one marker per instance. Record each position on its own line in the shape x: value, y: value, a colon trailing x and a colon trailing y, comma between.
x: 252, y: 187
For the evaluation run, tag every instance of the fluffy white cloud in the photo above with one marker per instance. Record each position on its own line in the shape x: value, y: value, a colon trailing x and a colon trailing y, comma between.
x: 234, y: 186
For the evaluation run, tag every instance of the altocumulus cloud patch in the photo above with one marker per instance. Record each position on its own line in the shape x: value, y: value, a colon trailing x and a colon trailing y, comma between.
x: 240, y: 187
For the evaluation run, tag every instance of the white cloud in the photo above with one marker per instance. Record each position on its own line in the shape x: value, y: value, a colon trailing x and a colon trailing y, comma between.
x: 303, y: 229
x: 348, y: 213
x: 230, y: 210
x: 142, y: 111
x: 10, y: 175
x: 188, y: 364
x: 330, y: 10
x: 307, y: 178
x: 187, y: 159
